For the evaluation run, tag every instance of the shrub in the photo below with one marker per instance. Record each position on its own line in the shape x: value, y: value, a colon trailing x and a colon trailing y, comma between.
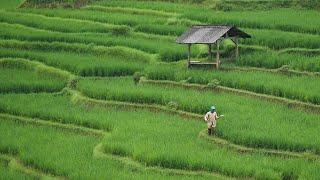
x: 136, y: 77
x: 173, y: 105
x: 214, y: 83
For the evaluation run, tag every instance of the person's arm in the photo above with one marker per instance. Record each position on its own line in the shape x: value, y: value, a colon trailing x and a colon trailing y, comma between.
x: 206, y: 117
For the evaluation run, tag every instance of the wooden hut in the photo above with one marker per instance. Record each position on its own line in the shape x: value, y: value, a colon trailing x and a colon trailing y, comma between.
x: 210, y: 34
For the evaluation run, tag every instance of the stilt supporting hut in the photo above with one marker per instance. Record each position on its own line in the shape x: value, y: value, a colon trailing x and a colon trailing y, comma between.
x: 210, y: 35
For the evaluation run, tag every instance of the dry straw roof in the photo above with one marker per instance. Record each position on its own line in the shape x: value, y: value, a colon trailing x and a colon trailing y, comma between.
x: 209, y: 34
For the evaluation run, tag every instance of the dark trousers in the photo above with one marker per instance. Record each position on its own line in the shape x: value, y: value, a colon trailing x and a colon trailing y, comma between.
x: 211, y: 131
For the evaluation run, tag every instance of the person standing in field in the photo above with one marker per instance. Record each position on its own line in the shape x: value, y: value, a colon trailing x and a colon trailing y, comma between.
x: 211, y: 119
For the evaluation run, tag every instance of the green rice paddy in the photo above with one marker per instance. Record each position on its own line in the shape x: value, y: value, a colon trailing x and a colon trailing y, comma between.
x: 100, y: 90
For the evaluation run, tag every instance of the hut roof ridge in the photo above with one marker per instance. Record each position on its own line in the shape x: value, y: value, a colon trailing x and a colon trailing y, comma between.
x: 209, y: 34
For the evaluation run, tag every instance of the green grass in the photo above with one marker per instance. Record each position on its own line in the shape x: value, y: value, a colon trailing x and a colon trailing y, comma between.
x: 103, y: 17
x: 305, y: 21
x: 133, y: 134
x: 55, y: 3
x: 241, y: 5
x: 10, y: 4
x: 149, y: 12
x: 74, y: 161
x: 80, y: 64
x: 139, y: 22
x: 16, y: 80
x: 275, y: 127
x: 120, y: 52
x: 303, y: 88
x: 59, y: 24
x: 57, y: 43
x: 18, y: 75
x: 167, y: 51
x: 276, y: 39
x: 153, y: 5
x: 7, y: 173
x: 273, y: 60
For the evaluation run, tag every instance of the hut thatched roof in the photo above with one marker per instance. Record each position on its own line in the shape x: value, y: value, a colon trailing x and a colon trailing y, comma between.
x: 209, y: 34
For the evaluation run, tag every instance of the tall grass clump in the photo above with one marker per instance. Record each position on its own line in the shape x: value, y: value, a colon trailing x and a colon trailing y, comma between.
x: 166, y: 148
x: 303, y: 88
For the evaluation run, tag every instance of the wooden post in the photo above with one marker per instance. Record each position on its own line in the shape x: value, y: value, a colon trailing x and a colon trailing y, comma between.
x: 237, y: 47
x: 210, y: 52
x: 189, y: 54
x: 218, y: 55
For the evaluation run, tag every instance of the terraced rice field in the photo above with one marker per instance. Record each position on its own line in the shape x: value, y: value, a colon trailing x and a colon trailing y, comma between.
x: 101, y: 91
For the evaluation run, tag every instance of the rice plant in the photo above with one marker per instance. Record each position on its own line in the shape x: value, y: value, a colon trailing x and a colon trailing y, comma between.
x: 120, y: 52
x: 242, y: 111
x: 103, y: 17
x: 164, y: 48
x: 18, y: 76
x: 294, y: 20
x: 303, y: 88
x: 10, y: 4
x: 46, y: 50
x: 150, y: 138
x: 141, y: 23
x: 276, y: 39
x: 304, y: 21
x: 80, y: 64
x: 273, y: 60
x: 74, y: 160
x: 59, y: 24
x: 7, y: 173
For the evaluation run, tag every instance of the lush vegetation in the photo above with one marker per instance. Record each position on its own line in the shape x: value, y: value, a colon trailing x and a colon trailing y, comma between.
x: 233, y: 127
x: 133, y: 134
x: 100, y: 90
x: 75, y: 160
x: 10, y: 4
x: 304, y: 88
x: 18, y: 75
x: 84, y: 65
x: 273, y: 60
x: 56, y: 24
x: 276, y: 18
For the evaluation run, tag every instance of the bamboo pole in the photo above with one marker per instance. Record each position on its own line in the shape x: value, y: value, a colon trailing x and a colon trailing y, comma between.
x: 210, y: 52
x: 189, y: 54
x: 237, y: 47
x: 218, y: 56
